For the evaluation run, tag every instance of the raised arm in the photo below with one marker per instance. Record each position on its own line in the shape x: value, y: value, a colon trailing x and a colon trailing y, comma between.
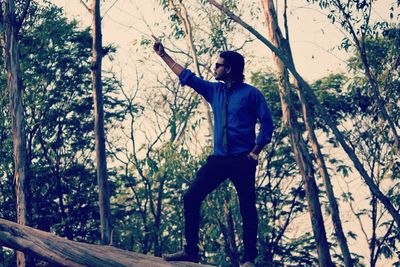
x: 159, y: 49
x: 186, y: 77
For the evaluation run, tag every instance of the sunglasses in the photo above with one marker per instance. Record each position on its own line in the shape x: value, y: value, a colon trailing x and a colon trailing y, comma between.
x: 217, y: 65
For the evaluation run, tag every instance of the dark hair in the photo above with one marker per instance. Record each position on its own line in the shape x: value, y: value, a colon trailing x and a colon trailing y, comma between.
x: 236, y: 62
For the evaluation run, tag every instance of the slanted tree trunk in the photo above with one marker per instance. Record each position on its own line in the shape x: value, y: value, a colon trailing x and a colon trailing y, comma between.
x: 63, y: 252
x: 101, y: 161
x: 284, y: 45
x: 10, y: 26
x: 322, y: 112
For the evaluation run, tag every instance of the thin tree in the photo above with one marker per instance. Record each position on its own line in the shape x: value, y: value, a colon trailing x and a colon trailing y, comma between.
x: 10, y: 25
x: 101, y: 160
x: 283, y: 43
x: 302, y: 157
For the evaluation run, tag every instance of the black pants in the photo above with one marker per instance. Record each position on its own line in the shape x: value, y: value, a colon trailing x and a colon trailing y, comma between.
x: 241, y: 171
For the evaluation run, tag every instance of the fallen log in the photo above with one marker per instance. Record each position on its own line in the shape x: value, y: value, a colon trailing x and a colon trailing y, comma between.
x: 64, y: 252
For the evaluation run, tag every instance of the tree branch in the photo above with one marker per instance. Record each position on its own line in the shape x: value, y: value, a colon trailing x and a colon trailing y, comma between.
x: 285, y: 19
x: 252, y: 30
x: 86, y: 6
x: 64, y: 252
x: 1, y: 18
x: 105, y: 13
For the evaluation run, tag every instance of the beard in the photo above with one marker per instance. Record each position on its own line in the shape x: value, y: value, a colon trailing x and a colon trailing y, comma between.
x: 219, y: 77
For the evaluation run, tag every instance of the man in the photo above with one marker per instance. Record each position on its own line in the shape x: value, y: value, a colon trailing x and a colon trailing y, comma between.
x: 236, y: 107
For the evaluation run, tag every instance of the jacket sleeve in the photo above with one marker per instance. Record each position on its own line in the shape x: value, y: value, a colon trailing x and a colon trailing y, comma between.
x: 265, y: 118
x: 203, y: 87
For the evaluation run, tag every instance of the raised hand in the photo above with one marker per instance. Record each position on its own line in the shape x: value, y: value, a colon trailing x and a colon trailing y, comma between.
x: 158, y: 47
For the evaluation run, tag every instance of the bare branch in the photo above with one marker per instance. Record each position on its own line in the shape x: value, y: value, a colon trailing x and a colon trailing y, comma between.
x: 86, y: 6
x: 258, y: 35
x: 105, y: 13
x: 285, y: 20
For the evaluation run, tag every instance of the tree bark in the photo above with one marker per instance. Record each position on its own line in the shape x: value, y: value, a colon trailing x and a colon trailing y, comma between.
x: 284, y: 45
x: 228, y: 232
x: 323, y: 170
x: 63, y: 252
x: 310, y: 96
x: 10, y: 27
x: 101, y: 160
x: 158, y: 218
x: 299, y: 146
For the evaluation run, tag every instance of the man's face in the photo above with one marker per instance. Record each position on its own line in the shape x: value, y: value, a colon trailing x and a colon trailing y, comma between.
x: 220, y: 70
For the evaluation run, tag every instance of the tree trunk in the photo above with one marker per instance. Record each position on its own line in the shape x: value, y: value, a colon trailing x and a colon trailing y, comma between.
x: 101, y: 163
x: 304, y: 163
x: 15, y: 88
x: 310, y: 96
x: 323, y: 170
x: 373, y: 241
x: 302, y: 156
x: 63, y: 252
x: 158, y: 218
x: 284, y: 45
x: 228, y: 232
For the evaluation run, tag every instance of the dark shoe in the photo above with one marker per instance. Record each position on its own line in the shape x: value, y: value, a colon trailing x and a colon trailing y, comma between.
x: 181, y: 256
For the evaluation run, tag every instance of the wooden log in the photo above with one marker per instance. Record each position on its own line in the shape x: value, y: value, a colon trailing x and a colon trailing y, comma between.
x: 64, y: 252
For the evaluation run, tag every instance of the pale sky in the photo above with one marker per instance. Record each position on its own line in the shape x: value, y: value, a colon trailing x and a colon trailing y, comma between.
x: 314, y: 39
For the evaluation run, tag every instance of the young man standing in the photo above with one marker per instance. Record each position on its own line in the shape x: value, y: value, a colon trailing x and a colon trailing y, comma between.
x: 236, y: 106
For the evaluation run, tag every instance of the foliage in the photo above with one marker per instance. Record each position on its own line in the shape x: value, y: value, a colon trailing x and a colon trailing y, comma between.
x: 331, y: 93
x: 170, y: 170
x: 373, y: 97
x: 149, y: 176
x: 55, y: 62
x: 371, y: 134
